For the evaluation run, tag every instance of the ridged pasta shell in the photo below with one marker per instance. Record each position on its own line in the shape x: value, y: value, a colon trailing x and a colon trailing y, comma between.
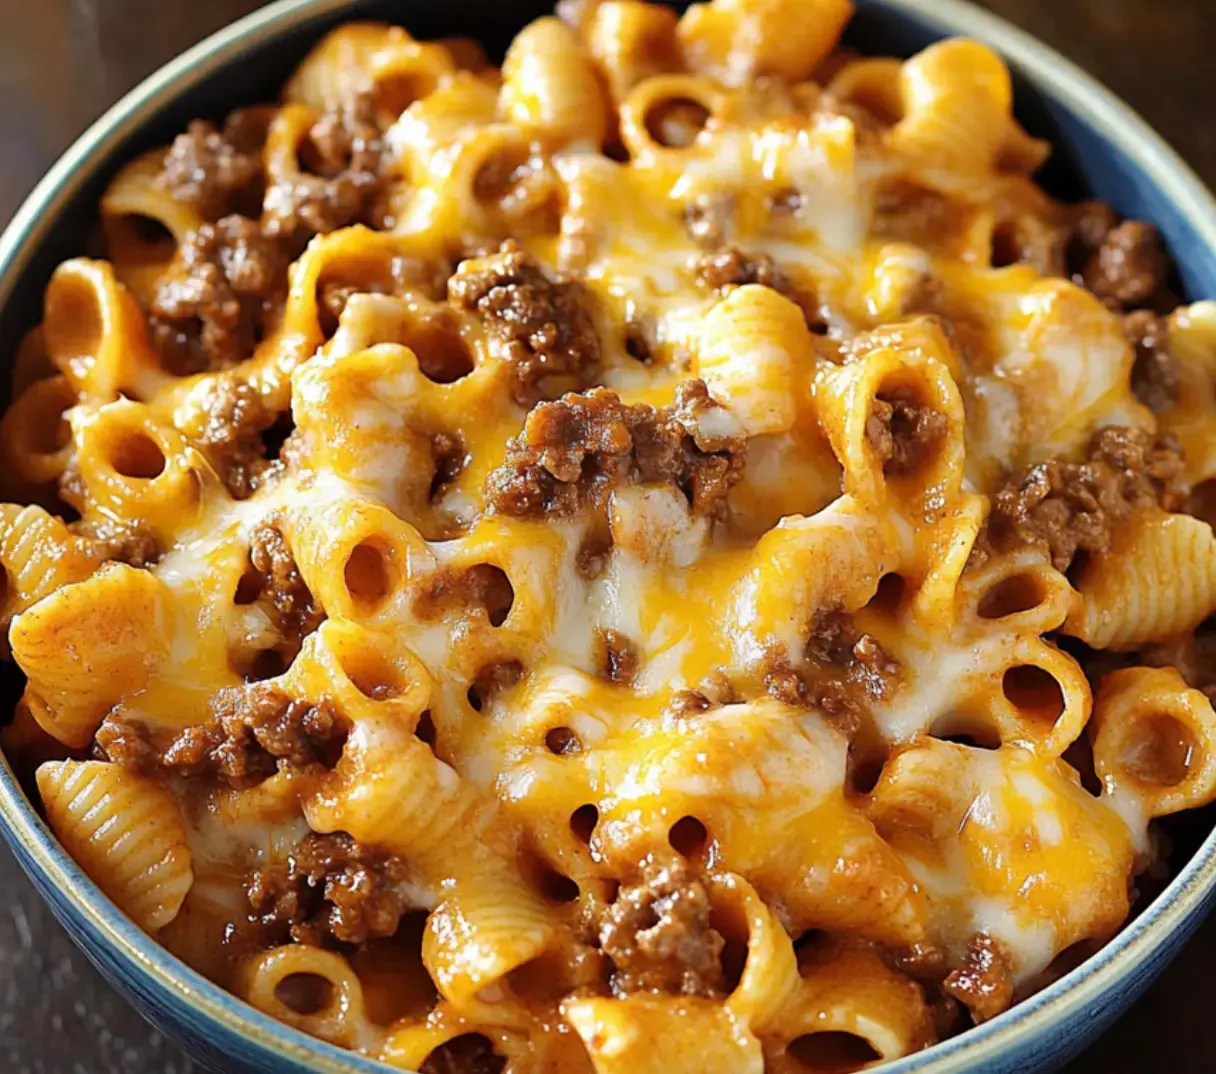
x: 126, y: 833
x: 1157, y: 581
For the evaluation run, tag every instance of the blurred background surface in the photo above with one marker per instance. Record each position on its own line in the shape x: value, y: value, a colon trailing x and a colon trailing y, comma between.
x: 63, y: 62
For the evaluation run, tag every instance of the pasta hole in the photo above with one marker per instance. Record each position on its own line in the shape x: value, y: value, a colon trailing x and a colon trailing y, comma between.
x: 396, y: 92
x: 551, y: 885
x: 676, y: 122
x: 583, y: 821
x: 469, y: 1051
x: 265, y: 664
x: 425, y: 731
x: 249, y: 586
x: 966, y: 730
x: 1160, y: 751
x: 890, y: 593
x: 1006, y: 245
x: 637, y: 345
x: 372, y: 674
x: 305, y: 993
x: 831, y: 1052
x: 689, y: 838
x: 449, y: 457
x: 443, y: 356
x: 492, y: 680
x: 1010, y: 596
x: 1203, y: 501
x: 542, y: 980
x: 562, y: 741
x: 136, y: 455
x: 864, y: 772
x: 497, y: 593
x: 1034, y: 692
x: 731, y: 924
x: 367, y: 574
x: 1080, y: 755
x: 149, y: 232
x: 499, y: 173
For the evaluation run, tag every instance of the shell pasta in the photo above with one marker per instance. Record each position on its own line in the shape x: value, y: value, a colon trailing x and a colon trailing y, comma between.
x: 674, y: 554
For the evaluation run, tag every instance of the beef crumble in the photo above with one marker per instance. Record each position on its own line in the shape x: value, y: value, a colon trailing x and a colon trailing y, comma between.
x: 295, y: 611
x: 542, y: 326
x: 235, y: 417
x: 123, y: 541
x: 252, y: 733
x: 219, y: 295
x: 658, y: 936
x: 1128, y: 268
x: 1066, y: 507
x: 330, y: 890
x: 730, y: 267
x: 620, y: 657
x: 842, y: 673
x: 1156, y: 373
x: 984, y: 982
x: 573, y: 452
x: 902, y: 432
x: 217, y: 172
x: 343, y: 154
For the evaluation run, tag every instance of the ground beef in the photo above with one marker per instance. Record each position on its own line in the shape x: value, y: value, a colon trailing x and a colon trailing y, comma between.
x: 730, y: 267
x: 1128, y: 268
x: 127, y: 742
x: 903, y: 433
x: 221, y: 293
x: 462, y: 589
x: 342, y: 165
x: 252, y: 733
x: 573, y: 452
x: 124, y: 541
x: 542, y: 326
x: 469, y: 1053
x: 621, y: 659
x: 658, y: 936
x: 290, y: 601
x: 1156, y: 374
x: 217, y: 172
x: 330, y: 889
x: 235, y: 417
x: 1066, y: 507
x: 984, y: 982
x: 842, y: 674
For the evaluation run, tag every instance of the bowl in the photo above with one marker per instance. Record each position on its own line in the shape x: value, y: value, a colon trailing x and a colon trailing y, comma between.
x: 1102, y: 149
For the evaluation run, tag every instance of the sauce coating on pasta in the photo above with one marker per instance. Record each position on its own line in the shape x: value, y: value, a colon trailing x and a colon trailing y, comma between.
x: 673, y: 554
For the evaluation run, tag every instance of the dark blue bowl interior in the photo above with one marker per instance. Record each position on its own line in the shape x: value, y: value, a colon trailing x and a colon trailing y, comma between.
x: 1085, y: 164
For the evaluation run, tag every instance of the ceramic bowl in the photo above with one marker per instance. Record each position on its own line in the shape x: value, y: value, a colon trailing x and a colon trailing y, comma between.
x: 1102, y: 149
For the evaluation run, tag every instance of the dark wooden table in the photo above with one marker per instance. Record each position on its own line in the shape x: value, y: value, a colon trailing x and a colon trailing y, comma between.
x: 63, y: 61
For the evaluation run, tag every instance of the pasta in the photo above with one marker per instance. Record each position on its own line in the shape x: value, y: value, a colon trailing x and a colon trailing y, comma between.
x: 672, y: 555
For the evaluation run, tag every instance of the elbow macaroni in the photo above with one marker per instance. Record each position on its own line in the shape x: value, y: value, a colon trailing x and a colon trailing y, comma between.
x: 611, y: 644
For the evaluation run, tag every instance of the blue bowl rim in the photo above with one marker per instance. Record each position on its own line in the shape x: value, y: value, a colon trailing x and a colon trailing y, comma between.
x: 1143, y: 941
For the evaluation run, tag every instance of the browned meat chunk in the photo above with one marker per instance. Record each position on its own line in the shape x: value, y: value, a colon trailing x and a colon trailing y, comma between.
x: 217, y: 172
x: 343, y: 162
x: 236, y: 417
x: 573, y: 452
x: 658, y: 936
x: 1067, y: 507
x: 984, y: 982
x: 542, y: 326
x: 904, y: 434
x: 1156, y: 374
x: 330, y: 889
x: 218, y: 297
x: 1129, y: 267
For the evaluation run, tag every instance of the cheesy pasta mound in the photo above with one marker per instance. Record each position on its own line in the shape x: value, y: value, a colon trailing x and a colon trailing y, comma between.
x: 672, y: 555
